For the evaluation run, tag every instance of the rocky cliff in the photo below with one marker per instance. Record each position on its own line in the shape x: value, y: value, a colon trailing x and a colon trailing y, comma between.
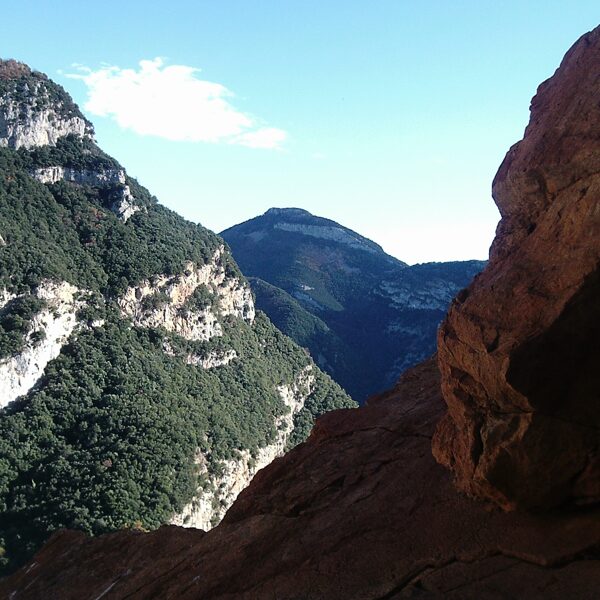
x: 362, y: 510
x: 122, y: 201
x: 364, y: 315
x: 48, y: 332
x: 519, y: 348
x: 35, y: 111
x: 138, y: 384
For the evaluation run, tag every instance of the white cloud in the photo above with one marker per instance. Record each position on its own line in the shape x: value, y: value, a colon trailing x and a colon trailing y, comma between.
x: 266, y: 137
x: 170, y: 101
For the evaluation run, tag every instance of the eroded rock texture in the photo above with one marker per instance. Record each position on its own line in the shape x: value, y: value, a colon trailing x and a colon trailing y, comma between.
x: 520, y: 348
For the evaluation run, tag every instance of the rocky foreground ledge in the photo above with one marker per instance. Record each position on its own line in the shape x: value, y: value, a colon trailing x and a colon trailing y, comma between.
x: 362, y: 510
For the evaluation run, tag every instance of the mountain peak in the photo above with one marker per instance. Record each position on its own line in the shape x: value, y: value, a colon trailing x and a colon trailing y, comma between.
x: 13, y: 69
x: 299, y: 221
x: 288, y: 212
x: 35, y: 111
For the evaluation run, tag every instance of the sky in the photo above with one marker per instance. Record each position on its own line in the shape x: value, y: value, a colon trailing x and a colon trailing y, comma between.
x: 390, y: 117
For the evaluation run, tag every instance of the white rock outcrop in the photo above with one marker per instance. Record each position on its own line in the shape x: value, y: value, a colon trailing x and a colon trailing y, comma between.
x: 80, y: 176
x: 56, y: 322
x: 211, y: 503
x: 232, y: 297
x: 328, y: 232
x: 434, y: 294
x: 33, y: 120
x: 6, y: 297
x: 212, y: 360
x: 123, y: 204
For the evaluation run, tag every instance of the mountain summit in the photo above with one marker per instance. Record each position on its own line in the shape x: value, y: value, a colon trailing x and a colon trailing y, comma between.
x: 301, y: 221
x: 364, y: 315
x: 35, y: 111
x: 139, y: 385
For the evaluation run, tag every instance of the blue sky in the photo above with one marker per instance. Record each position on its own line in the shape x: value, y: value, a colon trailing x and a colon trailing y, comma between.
x: 390, y: 117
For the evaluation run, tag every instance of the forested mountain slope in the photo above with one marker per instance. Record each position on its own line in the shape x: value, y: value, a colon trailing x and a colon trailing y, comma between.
x: 139, y: 384
x: 378, y: 315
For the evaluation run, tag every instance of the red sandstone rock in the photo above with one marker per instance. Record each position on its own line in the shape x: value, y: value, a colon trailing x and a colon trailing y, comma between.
x: 361, y: 511
x: 519, y: 351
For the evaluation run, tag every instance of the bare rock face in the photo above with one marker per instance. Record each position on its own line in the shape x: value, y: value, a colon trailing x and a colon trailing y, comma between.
x: 34, y: 111
x: 123, y: 202
x: 49, y: 332
x: 519, y: 350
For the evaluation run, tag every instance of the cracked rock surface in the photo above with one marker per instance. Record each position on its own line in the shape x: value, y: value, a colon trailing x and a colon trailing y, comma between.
x: 362, y: 510
x: 519, y: 350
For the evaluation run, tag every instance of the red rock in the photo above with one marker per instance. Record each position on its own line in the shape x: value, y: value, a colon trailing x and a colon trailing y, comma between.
x: 520, y: 348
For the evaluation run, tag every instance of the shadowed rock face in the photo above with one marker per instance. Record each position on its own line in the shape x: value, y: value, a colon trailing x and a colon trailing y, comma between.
x: 520, y: 348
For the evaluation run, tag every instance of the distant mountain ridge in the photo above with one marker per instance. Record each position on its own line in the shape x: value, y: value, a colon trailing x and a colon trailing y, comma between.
x: 376, y: 315
x: 299, y: 220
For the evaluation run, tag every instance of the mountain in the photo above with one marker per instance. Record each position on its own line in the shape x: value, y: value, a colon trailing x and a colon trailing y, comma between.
x: 376, y: 315
x: 305, y: 328
x: 139, y: 385
x: 362, y: 509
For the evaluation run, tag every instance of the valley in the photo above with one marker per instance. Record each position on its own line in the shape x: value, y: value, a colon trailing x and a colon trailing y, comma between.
x: 173, y: 416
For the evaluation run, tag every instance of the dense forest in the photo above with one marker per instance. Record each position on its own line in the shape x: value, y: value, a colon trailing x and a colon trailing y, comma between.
x: 67, y: 232
x: 108, y: 436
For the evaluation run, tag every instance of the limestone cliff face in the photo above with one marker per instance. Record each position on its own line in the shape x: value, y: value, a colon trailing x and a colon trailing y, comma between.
x: 163, y: 301
x: 80, y: 176
x: 34, y: 111
x: 49, y: 331
x: 23, y: 126
x: 519, y: 348
x: 220, y: 490
x: 122, y: 203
